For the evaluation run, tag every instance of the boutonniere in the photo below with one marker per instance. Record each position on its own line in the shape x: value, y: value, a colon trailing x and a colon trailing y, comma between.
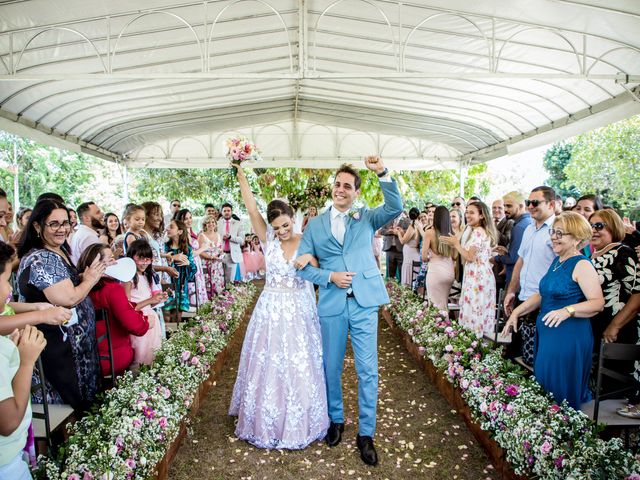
x: 354, y: 214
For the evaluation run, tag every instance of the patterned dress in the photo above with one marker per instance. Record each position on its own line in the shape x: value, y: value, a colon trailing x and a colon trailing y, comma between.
x: 478, y: 297
x: 197, y: 289
x: 70, y: 359
x: 619, y: 275
x: 213, y: 269
x: 180, y: 297
x: 280, y: 395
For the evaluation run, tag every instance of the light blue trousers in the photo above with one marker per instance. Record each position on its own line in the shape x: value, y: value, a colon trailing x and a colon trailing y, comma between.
x: 16, y: 469
x: 362, y: 324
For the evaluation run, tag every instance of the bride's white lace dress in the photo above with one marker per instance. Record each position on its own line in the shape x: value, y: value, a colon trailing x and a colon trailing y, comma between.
x: 279, y: 396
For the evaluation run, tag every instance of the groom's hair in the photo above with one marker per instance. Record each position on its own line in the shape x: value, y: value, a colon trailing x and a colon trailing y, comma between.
x: 346, y: 168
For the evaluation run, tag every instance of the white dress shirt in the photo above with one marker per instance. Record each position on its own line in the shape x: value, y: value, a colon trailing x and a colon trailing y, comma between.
x: 338, y: 226
x: 81, y: 240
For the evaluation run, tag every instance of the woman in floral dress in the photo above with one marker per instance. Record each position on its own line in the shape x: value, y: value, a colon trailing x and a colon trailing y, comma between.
x: 478, y: 297
x: 212, y: 257
x: 197, y: 289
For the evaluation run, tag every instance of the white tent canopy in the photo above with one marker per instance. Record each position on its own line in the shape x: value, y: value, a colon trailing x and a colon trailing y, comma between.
x: 426, y: 83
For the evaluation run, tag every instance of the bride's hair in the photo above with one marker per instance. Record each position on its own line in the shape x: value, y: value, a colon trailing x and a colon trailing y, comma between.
x: 277, y: 208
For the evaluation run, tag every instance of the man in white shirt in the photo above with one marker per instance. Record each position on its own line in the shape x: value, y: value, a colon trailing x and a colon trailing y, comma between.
x: 174, y: 207
x: 90, y: 222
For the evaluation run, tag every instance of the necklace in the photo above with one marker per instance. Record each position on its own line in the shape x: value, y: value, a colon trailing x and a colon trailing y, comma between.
x: 605, y: 249
x: 561, y: 263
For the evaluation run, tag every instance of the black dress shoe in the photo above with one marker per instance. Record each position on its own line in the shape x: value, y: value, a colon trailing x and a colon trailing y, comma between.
x: 334, y: 434
x: 367, y: 450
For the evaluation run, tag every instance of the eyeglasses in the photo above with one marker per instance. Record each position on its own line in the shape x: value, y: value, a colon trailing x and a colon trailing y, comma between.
x: 598, y: 226
x: 535, y: 203
x: 456, y: 204
x: 175, y: 205
x: 558, y: 233
x: 55, y: 225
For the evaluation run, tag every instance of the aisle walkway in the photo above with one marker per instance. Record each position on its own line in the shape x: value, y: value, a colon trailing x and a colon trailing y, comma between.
x: 418, y: 435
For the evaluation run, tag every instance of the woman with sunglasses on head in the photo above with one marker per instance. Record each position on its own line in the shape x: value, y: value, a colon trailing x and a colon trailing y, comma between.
x: 47, y: 274
x: 569, y: 296
x: 619, y: 277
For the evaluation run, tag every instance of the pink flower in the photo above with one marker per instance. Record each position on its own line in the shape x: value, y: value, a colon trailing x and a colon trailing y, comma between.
x: 73, y: 476
x: 448, y: 348
x: 421, y: 350
x: 162, y: 421
x: 87, y: 476
x: 195, y: 361
x: 131, y: 463
x: 185, y: 356
x: 545, y: 447
x: 554, y: 408
x: 512, y: 390
x: 558, y: 462
x: 137, y: 423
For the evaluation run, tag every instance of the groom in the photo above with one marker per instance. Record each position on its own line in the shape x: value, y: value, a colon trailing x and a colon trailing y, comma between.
x: 351, y: 290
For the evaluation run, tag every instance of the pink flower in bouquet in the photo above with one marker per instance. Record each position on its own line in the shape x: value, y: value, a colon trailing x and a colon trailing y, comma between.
x: 195, y: 361
x: 131, y: 463
x: 87, y: 476
x: 73, y: 476
x: 554, y: 409
x: 234, y: 152
x: 185, y: 356
x: 137, y: 423
x: 421, y: 350
x: 558, y: 462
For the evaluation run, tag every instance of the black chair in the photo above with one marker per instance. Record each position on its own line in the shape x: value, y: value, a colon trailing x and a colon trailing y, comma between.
x: 604, y: 406
x: 46, y: 418
x: 103, y: 314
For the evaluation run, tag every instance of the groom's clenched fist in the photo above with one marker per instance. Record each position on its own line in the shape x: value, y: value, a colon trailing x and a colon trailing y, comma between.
x: 342, y: 279
x: 374, y: 163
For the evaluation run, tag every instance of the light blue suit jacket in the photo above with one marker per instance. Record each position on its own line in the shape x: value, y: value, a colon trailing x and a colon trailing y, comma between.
x: 355, y: 255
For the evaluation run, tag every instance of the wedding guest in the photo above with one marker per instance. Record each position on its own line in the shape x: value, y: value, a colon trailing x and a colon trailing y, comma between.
x: 514, y: 210
x: 459, y: 203
x: 503, y: 227
x: 587, y: 205
x: 212, y: 265
x: 124, y: 320
x: 51, y: 196
x: 135, y: 219
x: 112, y: 229
x: 4, y: 210
x: 22, y: 218
x: 8, y: 232
x: 182, y: 260
x: 312, y: 212
x: 91, y: 223
x: 73, y: 219
x: 197, y: 290
x: 47, y: 274
x: 559, y: 204
x: 18, y: 354
x: 632, y: 234
x: 210, y: 210
x: 430, y: 212
x: 569, y: 203
x: 458, y: 227
x: 174, y: 207
x: 457, y: 221
x: 440, y: 272
x: 619, y: 278
x: 534, y: 258
x: 478, y: 297
x: 392, y: 246
x: 232, y: 239
x: 410, y: 239
x: 568, y: 297
x: 145, y: 292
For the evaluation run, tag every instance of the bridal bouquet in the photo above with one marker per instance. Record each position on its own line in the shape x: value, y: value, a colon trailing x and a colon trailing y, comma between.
x: 240, y: 150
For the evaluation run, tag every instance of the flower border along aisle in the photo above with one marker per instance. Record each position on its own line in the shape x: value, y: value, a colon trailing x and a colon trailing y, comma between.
x: 139, y: 420
x: 540, y: 438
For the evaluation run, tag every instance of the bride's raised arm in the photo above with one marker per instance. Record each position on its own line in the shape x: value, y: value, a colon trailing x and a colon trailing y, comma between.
x: 257, y: 221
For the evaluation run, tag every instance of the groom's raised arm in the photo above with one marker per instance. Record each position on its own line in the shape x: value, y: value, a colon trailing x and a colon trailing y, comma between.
x: 392, y: 206
x: 310, y: 273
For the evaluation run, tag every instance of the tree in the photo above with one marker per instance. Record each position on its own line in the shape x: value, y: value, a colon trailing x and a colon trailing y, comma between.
x: 607, y: 162
x: 555, y: 161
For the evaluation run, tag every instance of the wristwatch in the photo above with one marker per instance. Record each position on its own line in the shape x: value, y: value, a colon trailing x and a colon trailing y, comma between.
x: 383, y: 173
x: 571, y: 310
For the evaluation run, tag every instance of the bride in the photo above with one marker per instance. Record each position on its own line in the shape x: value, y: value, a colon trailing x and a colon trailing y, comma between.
x: 280, y: 396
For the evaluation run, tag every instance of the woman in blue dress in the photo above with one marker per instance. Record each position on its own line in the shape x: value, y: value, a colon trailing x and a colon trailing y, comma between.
x: 570, y: 295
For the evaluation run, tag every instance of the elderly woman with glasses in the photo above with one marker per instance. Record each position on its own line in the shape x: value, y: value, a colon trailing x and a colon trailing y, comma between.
x: 46, y: 274
x: 570, y: 295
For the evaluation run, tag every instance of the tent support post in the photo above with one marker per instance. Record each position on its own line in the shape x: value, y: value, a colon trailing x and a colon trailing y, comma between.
x: 462, y: 177
x: 125, y: 177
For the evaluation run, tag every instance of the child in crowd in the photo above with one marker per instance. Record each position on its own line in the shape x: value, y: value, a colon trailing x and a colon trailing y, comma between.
x: 18, y: 354
x: 182, y: 260
x: 145, y: 291
x: 134, y: 217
